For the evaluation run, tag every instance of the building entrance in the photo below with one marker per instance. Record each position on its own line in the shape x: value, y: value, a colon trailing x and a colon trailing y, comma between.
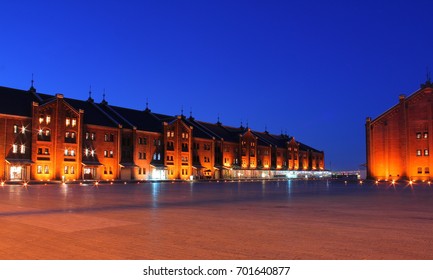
x: 16, y: 173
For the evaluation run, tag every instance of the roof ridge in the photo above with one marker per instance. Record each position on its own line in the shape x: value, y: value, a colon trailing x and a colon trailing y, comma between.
x: 204, y: 129
x: 119, y: 115
x: 105, y: 113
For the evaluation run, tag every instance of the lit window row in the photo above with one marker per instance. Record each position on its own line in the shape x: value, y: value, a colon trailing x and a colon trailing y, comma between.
x: 108, y: 153
x: 69, y: 169
x: 15, y: 149
x: 90, y: 135
x: 109, y: 137
x: 88, y: 152
x: 71, y: 122
x: 170, y: 133
x: 185, y: 135
x: 45, y: 169
x: 43, y: 118
x: 44, y: 151
x: 420, y: 135
x: 70, y: 152
x: 419, y: 152
x: 21, y: 129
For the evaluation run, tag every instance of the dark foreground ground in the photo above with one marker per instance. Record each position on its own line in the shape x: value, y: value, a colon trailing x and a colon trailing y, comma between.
x: 232, y: 220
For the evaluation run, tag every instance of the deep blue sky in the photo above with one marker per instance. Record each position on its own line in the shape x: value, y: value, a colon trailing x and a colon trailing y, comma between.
x: 313, y: 69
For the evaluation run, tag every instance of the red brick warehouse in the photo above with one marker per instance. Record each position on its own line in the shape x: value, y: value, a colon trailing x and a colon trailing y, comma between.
x: 51, y: 137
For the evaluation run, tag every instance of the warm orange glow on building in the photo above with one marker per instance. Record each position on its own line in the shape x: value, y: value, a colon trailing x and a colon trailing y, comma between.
x: 56, y: 138
x: 398, y: 141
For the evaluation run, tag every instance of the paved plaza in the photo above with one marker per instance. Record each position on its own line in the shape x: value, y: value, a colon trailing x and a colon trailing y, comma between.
x: 209, y: 220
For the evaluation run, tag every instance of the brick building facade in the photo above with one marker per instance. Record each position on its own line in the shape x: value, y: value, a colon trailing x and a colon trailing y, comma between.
x: 398, y: 141
x: 51, y: 137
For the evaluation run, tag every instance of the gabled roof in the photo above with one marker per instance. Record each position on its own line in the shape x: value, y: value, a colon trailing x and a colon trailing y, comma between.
x: 199, y: 130
x: 92, y: 113
x: 18, y: 102
x: 279, y: 141
x: 142, y: 120
x: 230, y: 134
x: 428, y: 84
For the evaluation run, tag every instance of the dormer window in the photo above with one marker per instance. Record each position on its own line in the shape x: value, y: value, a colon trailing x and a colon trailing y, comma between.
x: 74, y: 122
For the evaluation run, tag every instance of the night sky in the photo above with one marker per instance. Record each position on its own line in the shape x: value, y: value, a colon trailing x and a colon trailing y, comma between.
x: 312, y: 69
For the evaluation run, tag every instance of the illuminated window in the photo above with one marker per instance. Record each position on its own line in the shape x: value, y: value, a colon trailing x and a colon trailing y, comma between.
x: 72, y: 170
x: 39, y: 169
x: 23, y: 149
x: 41, y: 120
x: 73, y: 135
x: 66, y: 152
x: 418, y: 135
x: 46, y: 169
x: 67, y: 134
x: 66, y: 171
x: 48, y: 119
x: 15, y: 128
x: 47, y: 133
x: 112, y: 154
x: 86, y: 152
x: 418, y: 153
x: 425, y: 135
x: 92, y: 153
x: 39, y: 151
x: 47, y: 151
x: 106, y: 137
x: 87, y: 135
x: 72, y: 153
x: 68, y: 122
x: 92, y: 136
x: 23, y: 129
x: 14, y: 148
x: 426, y: 152
x: 105, y: 153
x: 74, y: 122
